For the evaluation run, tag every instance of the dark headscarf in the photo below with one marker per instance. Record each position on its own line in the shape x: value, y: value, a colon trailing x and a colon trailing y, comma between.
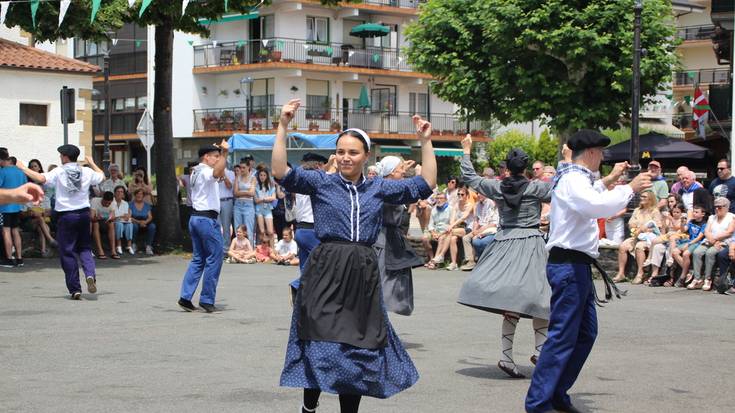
x: 515, y: 185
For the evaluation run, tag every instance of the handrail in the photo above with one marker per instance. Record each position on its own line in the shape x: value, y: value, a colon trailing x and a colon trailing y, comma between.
x: 692, y: 77
x: 700, y: 32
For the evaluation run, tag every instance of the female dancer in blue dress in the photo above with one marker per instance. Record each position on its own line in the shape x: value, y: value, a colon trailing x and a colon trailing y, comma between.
x: 341, y: 340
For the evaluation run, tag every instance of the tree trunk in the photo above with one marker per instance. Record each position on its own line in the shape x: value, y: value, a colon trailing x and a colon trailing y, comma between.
x: 167, y: 210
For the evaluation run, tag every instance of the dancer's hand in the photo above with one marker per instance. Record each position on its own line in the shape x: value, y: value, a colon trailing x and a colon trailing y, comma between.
x: 25, y: 193
x: 641, y: 182
x: 467, y: 144
x: 423, y: 127
x: 288, y: 111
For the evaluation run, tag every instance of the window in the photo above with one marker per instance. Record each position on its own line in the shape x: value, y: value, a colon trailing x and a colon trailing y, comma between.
x: 33, y: 115
x: 142, y: 102
x: 129, y: 104
x: 317, y: 99
x: 263, y: 97
x: 118, y: 104
x: 317, y: 29
x: 417, y: 104
x: 267, y: 27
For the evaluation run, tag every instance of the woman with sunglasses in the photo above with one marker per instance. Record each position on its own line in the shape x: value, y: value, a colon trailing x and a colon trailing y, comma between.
x: 510, y: 276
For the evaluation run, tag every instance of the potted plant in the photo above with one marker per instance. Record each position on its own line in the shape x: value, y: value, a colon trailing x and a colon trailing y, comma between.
x: 257, y: 125
x: 313, y: 126
x: 335, y: 126
x: 295, y: 126
x: 275, y: 120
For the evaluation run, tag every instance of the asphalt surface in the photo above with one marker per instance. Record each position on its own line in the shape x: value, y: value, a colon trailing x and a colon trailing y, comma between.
x: 130, y: 348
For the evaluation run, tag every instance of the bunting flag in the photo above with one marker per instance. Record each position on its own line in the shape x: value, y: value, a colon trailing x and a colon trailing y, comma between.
x: 131, y: 3
x: 144, y: 6
x: 265, y: 42
x: 62, y: 10
x: 700, y: 112
x: 95, y: 9
x: 138, y: 43
x: 3, y: 11
x: 114, y: 41
x: 34, y: 9
x: 191, y: 42
x: 183, y: 6
x: 226, y: 5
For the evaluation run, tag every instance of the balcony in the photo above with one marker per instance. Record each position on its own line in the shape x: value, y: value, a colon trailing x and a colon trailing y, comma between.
x: 702, y: 76
x: 225, y: 121
x: 404, y: 4
x: 693, y: 33
x: 294, y: 53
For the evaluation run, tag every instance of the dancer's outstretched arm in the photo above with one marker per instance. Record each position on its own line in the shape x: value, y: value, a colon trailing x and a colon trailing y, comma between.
x: 279, y: 157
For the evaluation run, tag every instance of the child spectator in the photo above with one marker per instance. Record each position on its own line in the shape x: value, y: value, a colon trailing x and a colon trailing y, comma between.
x: 123, y: 225
x: 284, y: 253
x: 263, y: 252
x: 241, y: 251
x: 683, y: 254
x: 103, y: 216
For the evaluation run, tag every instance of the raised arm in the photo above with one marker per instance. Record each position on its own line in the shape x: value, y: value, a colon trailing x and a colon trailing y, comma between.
x: 428, y: 158
x: 219, y: 167
x: 279, y: 158
x: 36, y: 177
x: 485, y: 186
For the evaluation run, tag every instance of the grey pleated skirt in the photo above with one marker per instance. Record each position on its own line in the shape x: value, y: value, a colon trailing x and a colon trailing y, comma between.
x: 510, y: 276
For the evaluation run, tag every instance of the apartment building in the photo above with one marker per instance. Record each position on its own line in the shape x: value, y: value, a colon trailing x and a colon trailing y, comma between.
x: 301, y: 49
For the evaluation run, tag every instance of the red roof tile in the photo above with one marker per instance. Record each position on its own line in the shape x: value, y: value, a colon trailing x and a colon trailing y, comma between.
x: 17, y: 56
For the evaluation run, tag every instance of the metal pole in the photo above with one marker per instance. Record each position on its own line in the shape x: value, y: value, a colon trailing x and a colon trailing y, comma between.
x: 247, y: 108
x: 108, y: 114
x: 635, y: 109
x: 732, y: 88
x: 64, y: 111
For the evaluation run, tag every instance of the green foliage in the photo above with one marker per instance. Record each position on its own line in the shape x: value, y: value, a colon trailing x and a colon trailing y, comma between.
x: 567, y: 61
x: 542, y: 149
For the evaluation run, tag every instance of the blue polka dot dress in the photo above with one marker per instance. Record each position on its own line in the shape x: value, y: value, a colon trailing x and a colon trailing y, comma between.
x: 341, y: 340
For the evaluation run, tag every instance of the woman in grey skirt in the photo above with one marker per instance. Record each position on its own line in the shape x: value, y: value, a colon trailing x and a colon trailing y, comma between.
x: 510, y: 277
x: 395, y: 255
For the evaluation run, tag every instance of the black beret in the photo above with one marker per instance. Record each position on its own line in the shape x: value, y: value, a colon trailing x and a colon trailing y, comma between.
x: 208, y: 149
x: 517, y: 160
x: 69, y: 150
x: 587, y: 138
x: 313, y: 157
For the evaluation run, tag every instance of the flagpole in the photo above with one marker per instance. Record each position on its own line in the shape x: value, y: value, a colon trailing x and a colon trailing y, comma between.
x: 732, y: 101
x: 635, y: 107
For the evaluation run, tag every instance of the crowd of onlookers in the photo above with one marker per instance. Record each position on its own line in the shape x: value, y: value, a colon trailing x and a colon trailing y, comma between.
x: 120, y: 210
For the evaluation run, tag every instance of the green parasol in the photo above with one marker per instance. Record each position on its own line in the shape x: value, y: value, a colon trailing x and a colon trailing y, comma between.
x: 369, y: 30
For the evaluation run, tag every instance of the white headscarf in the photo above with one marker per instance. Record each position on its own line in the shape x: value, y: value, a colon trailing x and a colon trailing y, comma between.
x: 387, y: 165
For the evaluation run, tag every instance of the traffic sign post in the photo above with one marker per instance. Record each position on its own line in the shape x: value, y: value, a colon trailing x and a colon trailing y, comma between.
x: 145, y: 134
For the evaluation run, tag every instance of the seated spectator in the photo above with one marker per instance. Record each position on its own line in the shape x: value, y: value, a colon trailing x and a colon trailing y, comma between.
x: 615, y: 225
x: 724, y: 260
x: 241, y: 251
x: 438, y: 230
x: 693, y: 193
x: 461, y: 225
x: 114, y: 180
x: 372, y: 172
x: 263, y: 252
x: 720, y: 227
x: 123, y: 224
x: 483, y: 231
x: 103, y: 216
x: 673, y: 200
x: 40, y: 214
x: 724, y: 184
x: 141, y: 215
x: 644, y: 224
x: 674, y: 229
x: 140, y: 181
x: 286, y: 251
x: 660, y: 187
x: 682, y: 254
x: 451, y: 192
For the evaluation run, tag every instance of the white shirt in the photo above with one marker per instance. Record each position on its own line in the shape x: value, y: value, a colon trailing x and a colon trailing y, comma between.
x: 284, y: 248
x: 575, y: 207
x: 120, y: 210
x: 302, y: 211
x: 109, y: 185
x: 224, y: 191
x: 71, y: 201
x: 204, y: 189
x: 487, y: 213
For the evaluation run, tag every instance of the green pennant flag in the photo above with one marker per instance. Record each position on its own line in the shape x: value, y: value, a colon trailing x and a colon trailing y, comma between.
x: 144, y: 6
x: 95, y: 9
x: 376, y: 58
x: 191, y: 42
x: 280, y: 44
x: 240, y: 43
x: 691, y: 74
x: 34, y: 9
x: 138, y: 43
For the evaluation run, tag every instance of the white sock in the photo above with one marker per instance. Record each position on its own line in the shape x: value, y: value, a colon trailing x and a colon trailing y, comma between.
x: 507, y: 333
x: 540, y: 331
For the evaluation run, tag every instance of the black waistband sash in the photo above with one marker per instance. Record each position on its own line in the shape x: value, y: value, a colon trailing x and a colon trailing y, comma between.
x: 339, y: 296
x: 564, y: 256
x: 208, y: 214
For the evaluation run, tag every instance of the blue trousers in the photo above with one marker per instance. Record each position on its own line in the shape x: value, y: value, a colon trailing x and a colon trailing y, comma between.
x: 723, y: 262
x: 244, y: 214
x: 150, y: 232
x: 479, y: 244
x: 306, y: 240
x: 572, y: 332
x: 206, y: 238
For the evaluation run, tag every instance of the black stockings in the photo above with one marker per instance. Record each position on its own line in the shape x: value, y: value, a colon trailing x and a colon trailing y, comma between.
x: 348, y: 403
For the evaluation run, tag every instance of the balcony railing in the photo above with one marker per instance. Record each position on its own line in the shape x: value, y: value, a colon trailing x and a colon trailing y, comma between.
x: 695, y: 32
x: 326, y: 120
x: 405, y: 4
x: 298, y: 51
x: 125, y: 122
x: 716, y: 76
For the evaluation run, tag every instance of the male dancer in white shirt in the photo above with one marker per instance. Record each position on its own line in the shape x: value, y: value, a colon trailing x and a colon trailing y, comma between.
x: 205, y: 229
x: 576, y: 203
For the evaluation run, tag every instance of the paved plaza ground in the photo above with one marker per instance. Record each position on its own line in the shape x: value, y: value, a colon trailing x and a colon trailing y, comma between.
x: 130, y: 348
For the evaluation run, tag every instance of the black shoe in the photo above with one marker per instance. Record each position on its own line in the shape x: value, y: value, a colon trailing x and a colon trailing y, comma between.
x: 76, y: 296
x: 91, y: 285
x: 209, y: 308
x: 534, y: 359
x: 19, y: 262
x: 7, y: 263
x: 186, y: 305
x: 568, y: 408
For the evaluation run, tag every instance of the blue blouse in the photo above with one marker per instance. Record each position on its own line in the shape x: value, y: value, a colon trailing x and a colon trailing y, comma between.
x: 349, y: 212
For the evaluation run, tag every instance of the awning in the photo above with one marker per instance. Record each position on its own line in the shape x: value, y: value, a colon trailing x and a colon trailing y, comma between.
x: 406, y: 150
x: 656, y: 146
x: 240, y: 141
x: 453, y: 152
x: 662, y: 126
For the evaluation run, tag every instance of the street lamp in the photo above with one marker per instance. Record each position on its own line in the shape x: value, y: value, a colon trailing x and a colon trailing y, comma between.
x: 108, y: 113
x: 249, y: 82
x: 635, y: 167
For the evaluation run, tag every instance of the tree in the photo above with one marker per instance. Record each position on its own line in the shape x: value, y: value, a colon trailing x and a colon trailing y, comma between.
x: 166, y: 16
x: 566, y: 61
